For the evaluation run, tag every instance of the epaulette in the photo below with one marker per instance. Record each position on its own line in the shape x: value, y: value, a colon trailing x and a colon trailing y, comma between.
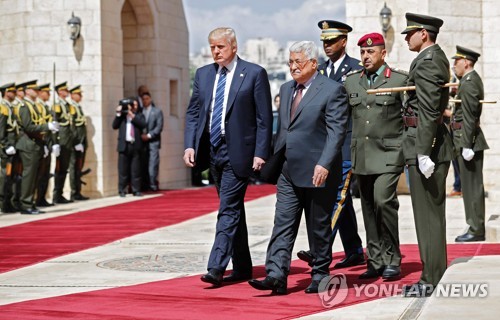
x: 468, y: 78
x: 72, y: 110
x: 57, y: 108
x: 4, y: 110
x: 428, y: 55
x: 353, y: 72
x: 403, y: 72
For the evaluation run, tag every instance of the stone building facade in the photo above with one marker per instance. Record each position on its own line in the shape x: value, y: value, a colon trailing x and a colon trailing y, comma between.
x: 468, y: 23
x: 123, y: 44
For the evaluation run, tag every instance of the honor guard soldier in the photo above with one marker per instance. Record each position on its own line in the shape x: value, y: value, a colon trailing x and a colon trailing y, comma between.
x: 376, y: 153
x: 31, y: 145
x: 80, y: 145
x: 8, y: 137
x: 468, y: 136
x: 44, y: 169
x: 63, y: 113
x: 427, y: 147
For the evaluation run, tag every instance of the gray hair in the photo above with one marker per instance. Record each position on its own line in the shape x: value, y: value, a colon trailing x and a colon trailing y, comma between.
x: 308, y: 47
x: 223, y: 32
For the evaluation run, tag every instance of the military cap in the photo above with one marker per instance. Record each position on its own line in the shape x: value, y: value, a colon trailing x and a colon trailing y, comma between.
x: 464, y: 53
x: 331, y: 29
x: 371, y: 39
x: 44, y: 87
x: 62, y: 86
x: 8, y: 87
x: 22, y: 85
x: 75, y: 89
x: 419, y: 21
x: 31, y: 85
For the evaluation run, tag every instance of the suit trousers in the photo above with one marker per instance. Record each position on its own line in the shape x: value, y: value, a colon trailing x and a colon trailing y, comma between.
x: 471, y: 173
x: 231, y: 235
x: 317, y: 204
x: 428, y: 199
x: 380, y: 205
x: 129, y: 169
x: 343, y: 215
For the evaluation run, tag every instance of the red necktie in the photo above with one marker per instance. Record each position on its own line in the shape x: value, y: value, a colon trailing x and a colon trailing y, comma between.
x: 296, y: 100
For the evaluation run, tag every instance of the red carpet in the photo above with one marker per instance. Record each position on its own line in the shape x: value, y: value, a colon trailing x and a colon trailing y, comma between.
x: 189, y: 298
x: 33, y: 242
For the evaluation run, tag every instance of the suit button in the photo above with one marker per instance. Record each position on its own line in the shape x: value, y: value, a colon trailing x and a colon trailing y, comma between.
x: 367, y: 122
x: 367, y: 107
x: 367, y: 138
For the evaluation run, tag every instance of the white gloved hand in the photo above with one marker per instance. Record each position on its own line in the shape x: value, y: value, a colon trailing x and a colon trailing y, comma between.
x: 10, y: 150
x: 79, y: 147
x: 56, y: 150
x: 53, y: 126
x: 468, y: 154
x: 425, y: 165
x: 45, y: 151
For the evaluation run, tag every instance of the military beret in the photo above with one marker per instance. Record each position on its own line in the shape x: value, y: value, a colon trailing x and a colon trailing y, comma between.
x: 44, y: 87
x: 331, y: 29
x: 62, y: 86
x: 419, y: 21
x: 464, y: 53
x: 75, y: 89
x: 371, y: 40
x: 8, y: 87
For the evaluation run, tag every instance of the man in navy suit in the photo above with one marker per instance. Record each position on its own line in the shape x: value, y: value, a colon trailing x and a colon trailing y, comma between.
x: 311, y: 129
x: 343, y: 216
x: 229, y: 127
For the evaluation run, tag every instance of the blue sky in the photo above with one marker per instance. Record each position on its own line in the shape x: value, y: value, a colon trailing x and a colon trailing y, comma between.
x: 283, y: 20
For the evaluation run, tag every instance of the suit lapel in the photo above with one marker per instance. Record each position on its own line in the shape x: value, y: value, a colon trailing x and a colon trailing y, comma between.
x: 288, y: 95
x: 210, y: 82
x: 310, y: 94
x: 238, y: 77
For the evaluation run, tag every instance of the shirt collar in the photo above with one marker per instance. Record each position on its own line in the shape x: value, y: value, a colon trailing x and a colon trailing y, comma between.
x: 231, y: 65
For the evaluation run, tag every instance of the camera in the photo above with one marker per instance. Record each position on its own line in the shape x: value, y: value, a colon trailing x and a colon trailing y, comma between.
x: 124, y: 103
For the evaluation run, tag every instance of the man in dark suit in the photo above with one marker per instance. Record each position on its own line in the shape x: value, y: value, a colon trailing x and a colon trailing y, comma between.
x: 468, y: 136
x: 130, y: 125
x: 311, y: 129
x: 427, y: 147
x: 229, y: 126
x: 343, y: 216
x: 152, y: 140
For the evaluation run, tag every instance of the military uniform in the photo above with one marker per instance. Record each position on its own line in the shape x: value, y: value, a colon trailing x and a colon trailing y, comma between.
x: 63, y: 113
x: 377, y: 158
x: 426, y: 137
x: 8, y: 138
x: 77, y: 156
x: 467, y: 134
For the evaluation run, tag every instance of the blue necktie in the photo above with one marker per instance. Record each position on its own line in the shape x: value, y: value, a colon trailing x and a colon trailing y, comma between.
x: 216, y: 130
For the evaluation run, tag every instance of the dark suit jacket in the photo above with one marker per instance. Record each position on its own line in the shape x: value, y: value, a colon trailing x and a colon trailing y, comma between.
x: 154, y: 125
x: 348, y: 64
x: 318, y: 130
x: 120, y: 123
x: 248, y: 119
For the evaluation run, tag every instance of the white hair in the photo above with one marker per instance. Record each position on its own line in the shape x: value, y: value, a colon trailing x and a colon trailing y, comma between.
x: 308, y: 47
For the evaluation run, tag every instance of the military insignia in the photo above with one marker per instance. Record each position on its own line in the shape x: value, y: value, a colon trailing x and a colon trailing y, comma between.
x: 57, y: 108
x: 343, y: 69
x: 353, y: 95
x: 369, y: 41
x: 5, y: 111
x: 241, y: 75
x: 468, y: 78
x: 324, y: 25
x: 322, y: 71
x: 343, y: 78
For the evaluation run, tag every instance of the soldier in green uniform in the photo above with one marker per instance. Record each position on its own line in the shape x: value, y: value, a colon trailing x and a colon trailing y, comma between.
x: 8, y: 138
x: 44, y: 169
x: 376, y: 153
x: 80, y: 145
x: 30, y: 145
x: 468, y: 136
x: 63, y: 113
x: 427, y: 147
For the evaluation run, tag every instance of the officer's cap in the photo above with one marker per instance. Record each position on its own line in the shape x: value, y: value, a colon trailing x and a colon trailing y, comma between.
x: 75, y: 89
x: 31, y: 85
x: 21, y: 86
x: 331, y: 29
x: 44, y: 87
x: 62, y: 86
x: 419, y: 21
x: 371, y: 40
x: 8, y: 87
x: 464, y: 53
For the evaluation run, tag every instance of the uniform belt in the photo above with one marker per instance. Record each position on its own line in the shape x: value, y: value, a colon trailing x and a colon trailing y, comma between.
x: 458, y: 125
x: 412, y: 121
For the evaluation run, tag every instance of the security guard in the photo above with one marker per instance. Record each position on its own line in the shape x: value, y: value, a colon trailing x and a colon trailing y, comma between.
x: 44, y: 169
x: 427, y: 147
x: 32, y: 129
x: 63, y: 113
x: 376, y: 153
x: 8, y: 138
x: 80, y: 145
x: 468, y: 136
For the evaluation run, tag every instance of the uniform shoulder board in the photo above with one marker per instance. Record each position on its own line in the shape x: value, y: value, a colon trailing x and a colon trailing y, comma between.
x: 57, y: 108
x: 4, y: 110
x: 404, y: 72
x: 468, y: 78
x: 429, y: 55
x: 353, y: 72
x: 72, y: 110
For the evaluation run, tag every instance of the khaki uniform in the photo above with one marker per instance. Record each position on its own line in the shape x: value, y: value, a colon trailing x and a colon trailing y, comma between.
x: 377, y: 159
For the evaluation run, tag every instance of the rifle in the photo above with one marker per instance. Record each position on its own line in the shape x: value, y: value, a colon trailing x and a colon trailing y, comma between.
x: 58, y: 165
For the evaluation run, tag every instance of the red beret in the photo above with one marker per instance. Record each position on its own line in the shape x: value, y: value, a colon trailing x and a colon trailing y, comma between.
x: 371, y: 39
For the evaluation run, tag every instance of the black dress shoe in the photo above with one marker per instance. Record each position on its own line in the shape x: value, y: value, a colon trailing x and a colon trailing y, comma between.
x: 313, y: 287
x: 153, y: 188
x: 213, y: 276
x: 9, y: 209
x: 61, y: 200
x: 122, y: 194
x: 80, y: 197
x: 137, y: 194
x: 371, y: 273
x: 391, y: 272
x: 305, y: 256
x: 269, y: 283
x: 236, y: 276
x: 43, y: 203
x: 31, y: 211
x: 467, y: 237
x: 354, y: 259
x: 418, y: 290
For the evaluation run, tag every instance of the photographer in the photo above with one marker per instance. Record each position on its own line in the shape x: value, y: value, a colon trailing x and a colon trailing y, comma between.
x: 130, y: 125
